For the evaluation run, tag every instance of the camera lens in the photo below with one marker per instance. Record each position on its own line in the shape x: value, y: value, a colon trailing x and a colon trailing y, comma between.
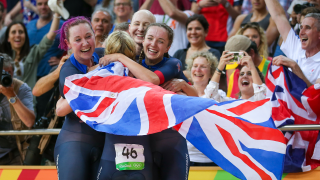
x: 6, y: 81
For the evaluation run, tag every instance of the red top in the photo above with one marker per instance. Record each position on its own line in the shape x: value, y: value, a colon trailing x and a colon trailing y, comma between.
x: 156, y: 8
x: 4, y: 2
x: 217, y: 17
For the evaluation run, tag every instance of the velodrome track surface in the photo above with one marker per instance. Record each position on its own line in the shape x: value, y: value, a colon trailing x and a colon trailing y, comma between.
x: 196, y: 173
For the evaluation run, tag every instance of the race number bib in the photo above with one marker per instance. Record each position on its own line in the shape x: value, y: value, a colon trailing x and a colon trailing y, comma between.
x: 129, y: 157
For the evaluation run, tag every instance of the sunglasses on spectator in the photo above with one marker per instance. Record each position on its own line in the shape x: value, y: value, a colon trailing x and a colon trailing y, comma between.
x: 123, y: 4
x: 250, y: 24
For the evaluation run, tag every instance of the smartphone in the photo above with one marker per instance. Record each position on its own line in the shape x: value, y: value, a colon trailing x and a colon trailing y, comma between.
x: 236, y: 56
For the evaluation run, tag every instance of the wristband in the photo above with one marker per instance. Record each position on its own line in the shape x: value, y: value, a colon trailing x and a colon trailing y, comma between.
x: 59, y: 17
x: 218, y: 70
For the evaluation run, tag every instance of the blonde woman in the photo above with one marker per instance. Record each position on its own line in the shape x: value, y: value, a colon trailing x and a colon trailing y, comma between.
x: 255, y: 33
x: 201, y: 66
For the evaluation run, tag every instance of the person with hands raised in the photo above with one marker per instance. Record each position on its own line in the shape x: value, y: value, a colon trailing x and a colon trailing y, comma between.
x: 16, y: 45
x: 250, y: 82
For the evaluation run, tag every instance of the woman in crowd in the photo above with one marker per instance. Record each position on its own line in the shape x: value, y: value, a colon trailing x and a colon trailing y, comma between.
x: 201, y: 65
x: 255, y: 33
x: 16, y: 44
x: 197, y: 30
x: 260, y: 15
x: 250, y: 82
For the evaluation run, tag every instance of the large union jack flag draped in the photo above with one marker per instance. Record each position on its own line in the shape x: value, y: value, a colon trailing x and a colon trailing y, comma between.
x: 294, y: 103
x: 239, y: 135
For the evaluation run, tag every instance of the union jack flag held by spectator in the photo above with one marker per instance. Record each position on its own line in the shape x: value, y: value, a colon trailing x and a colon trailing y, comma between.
x: 294, y: 103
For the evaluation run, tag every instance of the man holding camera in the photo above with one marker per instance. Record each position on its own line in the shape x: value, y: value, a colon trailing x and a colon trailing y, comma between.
x: 16, y: 113
x: 302, y: 52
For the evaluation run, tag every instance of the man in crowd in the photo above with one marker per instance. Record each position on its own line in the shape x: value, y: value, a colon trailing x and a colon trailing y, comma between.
x: 102, y: 23
x: 302, y: 52
x: 16, y: 113
x: 123, y: 12
x: 36, y: 30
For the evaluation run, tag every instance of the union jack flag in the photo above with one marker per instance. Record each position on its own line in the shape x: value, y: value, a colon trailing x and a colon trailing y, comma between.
x: 294, y: 103
x: 239, y: 135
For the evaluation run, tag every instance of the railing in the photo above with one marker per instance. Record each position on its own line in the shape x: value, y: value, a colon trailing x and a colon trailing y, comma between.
x: 295, y: 127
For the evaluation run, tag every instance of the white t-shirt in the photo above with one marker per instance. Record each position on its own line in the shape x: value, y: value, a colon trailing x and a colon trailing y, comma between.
x: 180, y: 40
x: 310, y: 66
x: 194, y: 154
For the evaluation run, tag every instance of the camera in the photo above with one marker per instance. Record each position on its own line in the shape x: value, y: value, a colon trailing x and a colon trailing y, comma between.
x: 300, y: 7
x: 5, y: 77
x: 236, y: 56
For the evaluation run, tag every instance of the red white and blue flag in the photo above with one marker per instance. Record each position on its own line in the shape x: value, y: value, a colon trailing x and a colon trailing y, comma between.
x: 239, y: 135
x: 294, y: 103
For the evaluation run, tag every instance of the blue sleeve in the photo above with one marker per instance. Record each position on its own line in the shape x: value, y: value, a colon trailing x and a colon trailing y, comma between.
x: 171, y: 69
x: 67, y: 69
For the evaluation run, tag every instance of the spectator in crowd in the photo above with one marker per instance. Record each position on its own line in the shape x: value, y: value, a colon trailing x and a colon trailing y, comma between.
x: 123, y: 11
x: 197, y: 30
x: 156, y: 9
x: 140, y: 21
x: 29, y: 9
x: 242, y: 43
x: 217, y: 34
x: 175, y: 19
x: 36, y: 29
x: 255, y: 33
x: 122, y: 27
x: 102, y: 23
x: 16, y: 107
x: 80, y: 7
x: 260, y: 15
x: 109, y: 5
x: 302, y: 52
x: 202, y: 65
x: 247, y: 5
x: 26, y: 59
x: 3, y: 28
x: 104, y: 4
x: 250, y: 81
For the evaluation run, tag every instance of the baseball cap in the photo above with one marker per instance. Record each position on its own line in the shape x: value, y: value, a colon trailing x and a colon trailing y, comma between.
x: 57, y: 6
x: 237, y: 43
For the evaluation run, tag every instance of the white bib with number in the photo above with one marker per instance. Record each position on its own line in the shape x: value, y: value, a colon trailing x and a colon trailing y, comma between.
x: 129, y: 157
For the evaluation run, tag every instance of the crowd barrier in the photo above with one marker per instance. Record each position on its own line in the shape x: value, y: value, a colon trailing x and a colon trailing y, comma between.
x: 196, y: 173
x: 294, y: 127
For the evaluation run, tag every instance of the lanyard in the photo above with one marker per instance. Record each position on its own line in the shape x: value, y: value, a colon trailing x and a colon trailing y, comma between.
x: 164, y: 20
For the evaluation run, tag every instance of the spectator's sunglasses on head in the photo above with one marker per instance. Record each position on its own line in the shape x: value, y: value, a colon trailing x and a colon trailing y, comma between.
x: 18, y: 68
x: 123, y: 4
x: 250, y: 24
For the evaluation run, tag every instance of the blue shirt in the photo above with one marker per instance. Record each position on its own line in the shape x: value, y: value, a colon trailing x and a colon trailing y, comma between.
x: 167, y: 69
x: 35, y: 36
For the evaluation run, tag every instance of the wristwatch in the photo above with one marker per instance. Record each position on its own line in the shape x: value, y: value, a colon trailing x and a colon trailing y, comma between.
x: 13, y: 100
x: 227, y: 4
